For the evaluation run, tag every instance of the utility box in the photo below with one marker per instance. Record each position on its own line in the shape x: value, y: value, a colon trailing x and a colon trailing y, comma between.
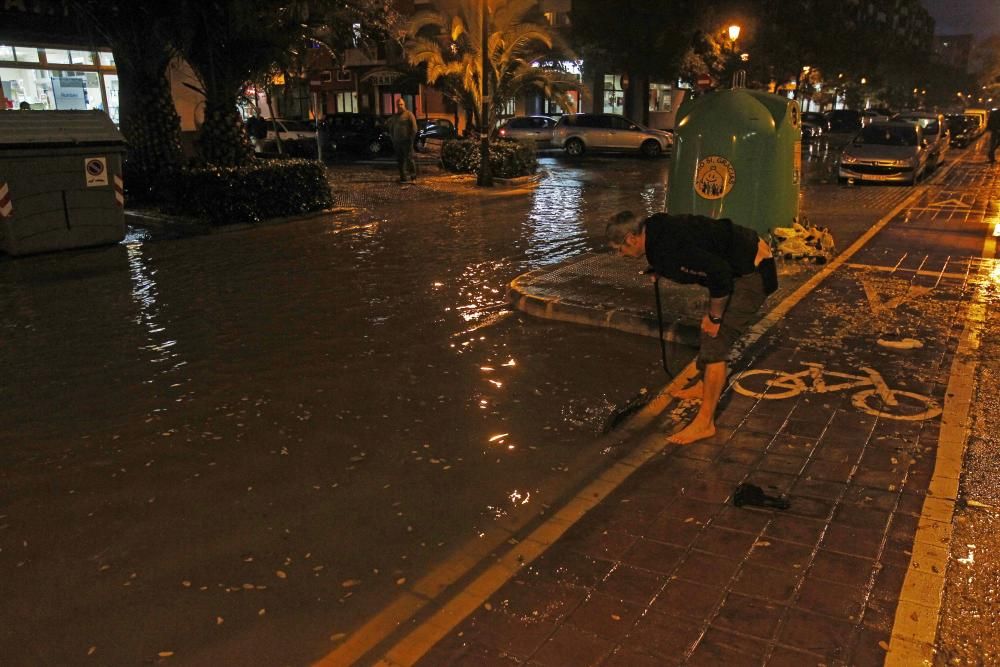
x: 737, y: 155
x: 60, y: 181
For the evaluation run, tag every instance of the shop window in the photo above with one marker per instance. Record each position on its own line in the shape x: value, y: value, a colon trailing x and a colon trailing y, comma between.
x: 614, y: 94
x: 44, y: 89
x: 660, y: 97
x: 81, y: 57
x: 111, y: 88
x: 57, y: 56
x: 6, y: 52
x: 26, y: 54
x: 107, y: 59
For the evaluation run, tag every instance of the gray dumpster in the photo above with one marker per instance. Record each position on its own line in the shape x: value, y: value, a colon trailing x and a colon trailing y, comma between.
x: 60, y: 181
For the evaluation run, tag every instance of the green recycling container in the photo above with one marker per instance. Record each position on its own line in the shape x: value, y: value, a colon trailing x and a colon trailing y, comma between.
x: 737, y: 155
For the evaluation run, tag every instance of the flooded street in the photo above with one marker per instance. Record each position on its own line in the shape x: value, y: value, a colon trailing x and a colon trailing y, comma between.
x: 238, y: 446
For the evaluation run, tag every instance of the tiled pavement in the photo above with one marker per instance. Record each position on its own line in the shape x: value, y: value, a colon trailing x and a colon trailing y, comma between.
x: 667, y: 571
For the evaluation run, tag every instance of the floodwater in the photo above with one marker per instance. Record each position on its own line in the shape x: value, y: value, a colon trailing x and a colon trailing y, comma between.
x: 235, y: 448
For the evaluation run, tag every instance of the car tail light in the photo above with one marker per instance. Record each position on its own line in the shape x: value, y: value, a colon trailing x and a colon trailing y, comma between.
x: 503, y: 131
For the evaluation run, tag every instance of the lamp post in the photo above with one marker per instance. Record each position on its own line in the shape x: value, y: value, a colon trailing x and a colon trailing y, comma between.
x: 734, y: 34
x: 485, y: 178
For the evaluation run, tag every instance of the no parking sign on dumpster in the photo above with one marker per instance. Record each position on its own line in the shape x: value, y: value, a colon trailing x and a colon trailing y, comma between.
x: 96, y: 171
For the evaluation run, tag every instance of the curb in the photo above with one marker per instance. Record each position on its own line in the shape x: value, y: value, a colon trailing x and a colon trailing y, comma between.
x: 185, y: 226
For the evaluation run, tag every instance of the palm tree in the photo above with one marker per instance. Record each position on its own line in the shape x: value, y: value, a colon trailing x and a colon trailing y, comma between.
x: 521, y: 53
x: 233, y: 42
x: 139, y: 33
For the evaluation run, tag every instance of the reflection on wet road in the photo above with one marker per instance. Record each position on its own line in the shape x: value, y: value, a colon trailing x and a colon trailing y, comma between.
x: 239, y: 446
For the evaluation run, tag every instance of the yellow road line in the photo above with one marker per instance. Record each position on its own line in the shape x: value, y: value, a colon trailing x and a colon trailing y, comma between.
x: 915, y: 625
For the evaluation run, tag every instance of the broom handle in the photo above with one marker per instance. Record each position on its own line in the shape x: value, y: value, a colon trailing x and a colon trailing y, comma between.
x: 659, y: 320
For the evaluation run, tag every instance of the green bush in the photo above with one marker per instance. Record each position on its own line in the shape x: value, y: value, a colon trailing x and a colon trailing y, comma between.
x: 508, y: 159
x: 255, y: 192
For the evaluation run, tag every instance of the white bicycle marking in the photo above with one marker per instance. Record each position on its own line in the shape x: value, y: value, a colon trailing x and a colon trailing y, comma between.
x: 889, y: 403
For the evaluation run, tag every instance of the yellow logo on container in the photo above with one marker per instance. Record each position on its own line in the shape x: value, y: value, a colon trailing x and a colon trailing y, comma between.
x: 714, y: 178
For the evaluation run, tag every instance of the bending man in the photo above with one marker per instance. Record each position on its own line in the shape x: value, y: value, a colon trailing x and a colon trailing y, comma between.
x: 731, y: 261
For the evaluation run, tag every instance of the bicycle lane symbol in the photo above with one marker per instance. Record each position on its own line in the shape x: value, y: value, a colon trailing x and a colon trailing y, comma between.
x: 873, y: 395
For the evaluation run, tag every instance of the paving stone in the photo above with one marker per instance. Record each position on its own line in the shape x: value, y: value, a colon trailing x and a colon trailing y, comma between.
x: 780, y: 554
x: 623, y: 657
x: 724, y: 542
x: 753, y: 616
x: 707, y: 568
x: 853, y: 541
x: 743, y: 519
x: 841, y: 568
x: 836, y: 600
x: 719, y: 647
x: 688, y: 599
x: 606, y: 616
x: 817, y: 633
x: 668, y: 638
x: 768, y: 583
x: 654, y: 556
x: 500, y: 632
x: 632, y: 584
x: 571, y: 647
x: 801, y: 530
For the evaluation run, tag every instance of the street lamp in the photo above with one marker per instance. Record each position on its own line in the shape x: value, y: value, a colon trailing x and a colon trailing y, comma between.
x: 734, y: 32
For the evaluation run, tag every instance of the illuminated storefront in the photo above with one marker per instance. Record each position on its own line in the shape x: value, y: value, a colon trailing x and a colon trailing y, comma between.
x: 45, y: 63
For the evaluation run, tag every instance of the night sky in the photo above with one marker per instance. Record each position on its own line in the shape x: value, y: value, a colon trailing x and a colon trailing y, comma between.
x: 954, y: 17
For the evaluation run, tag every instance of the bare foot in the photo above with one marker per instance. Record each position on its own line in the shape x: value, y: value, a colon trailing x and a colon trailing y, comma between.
x: 689, y: 393
x: 693, y: 432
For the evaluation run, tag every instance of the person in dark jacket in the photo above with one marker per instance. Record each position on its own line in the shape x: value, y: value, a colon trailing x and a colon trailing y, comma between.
x: 403, y: 127
x: 731, y: 261
x: 993, y: 125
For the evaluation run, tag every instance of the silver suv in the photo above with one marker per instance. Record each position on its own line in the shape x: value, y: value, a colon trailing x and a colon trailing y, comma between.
x: 582, y: 132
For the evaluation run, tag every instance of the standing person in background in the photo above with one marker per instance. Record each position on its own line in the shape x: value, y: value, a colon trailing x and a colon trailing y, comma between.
x: 731, y: 261
x: 403, y: 127
x: 993, y: 125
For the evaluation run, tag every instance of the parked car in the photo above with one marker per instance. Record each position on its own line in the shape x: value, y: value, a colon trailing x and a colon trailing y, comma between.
x: 811, y: 130
x: 362, y: 133
x: 844, y: 120
x: 537, y: 129
x: 935, y: 133
x: 893, y: 152
x: 963, y: 129
x: 582, y: 132
x: 816, y: 118
x: 298, y: 137
x: 434, y: 128
x: 875, y: 115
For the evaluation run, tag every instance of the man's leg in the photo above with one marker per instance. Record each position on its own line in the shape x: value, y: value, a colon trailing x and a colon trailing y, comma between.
x: 410, y: 164
x: 703, y: 424
x: 400, y: 162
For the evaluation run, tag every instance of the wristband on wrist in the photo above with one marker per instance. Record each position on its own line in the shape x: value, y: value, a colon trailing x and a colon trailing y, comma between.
x: 713, y: 319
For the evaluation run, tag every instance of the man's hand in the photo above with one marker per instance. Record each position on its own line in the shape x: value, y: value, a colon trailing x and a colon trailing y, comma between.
x: 709, y: 327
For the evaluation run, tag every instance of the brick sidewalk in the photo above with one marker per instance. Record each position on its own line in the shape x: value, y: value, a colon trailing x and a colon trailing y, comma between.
x: 667, y: 571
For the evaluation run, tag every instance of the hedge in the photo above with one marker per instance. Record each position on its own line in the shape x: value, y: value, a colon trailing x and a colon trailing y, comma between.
x: 255, y: 192
x: 508, y: 159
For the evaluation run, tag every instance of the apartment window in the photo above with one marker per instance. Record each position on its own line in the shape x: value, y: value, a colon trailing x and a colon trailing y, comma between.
x: 347, y: 102
x: 344, y: 75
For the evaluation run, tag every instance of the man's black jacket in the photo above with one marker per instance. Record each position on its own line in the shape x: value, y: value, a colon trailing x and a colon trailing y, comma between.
x: 694, y: 249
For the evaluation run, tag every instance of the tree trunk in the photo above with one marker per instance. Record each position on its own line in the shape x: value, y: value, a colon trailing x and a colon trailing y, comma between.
x: 223, y: 140
x: 151, y: 127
